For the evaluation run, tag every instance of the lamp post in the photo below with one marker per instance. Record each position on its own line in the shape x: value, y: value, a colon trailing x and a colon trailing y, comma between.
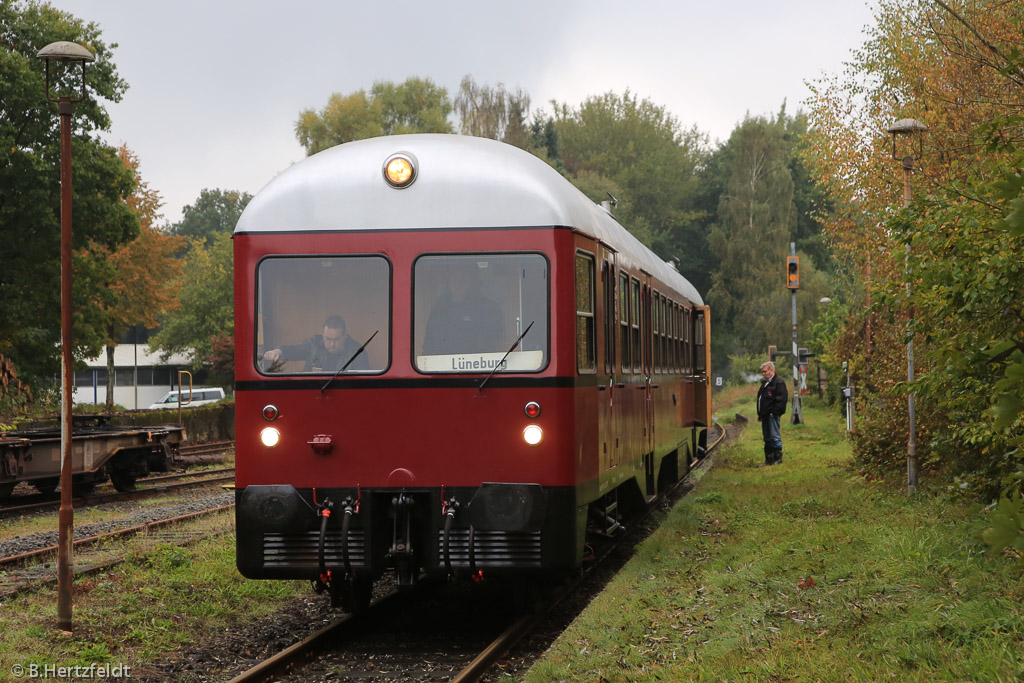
x: 909, y: 128
x: 67, y: 55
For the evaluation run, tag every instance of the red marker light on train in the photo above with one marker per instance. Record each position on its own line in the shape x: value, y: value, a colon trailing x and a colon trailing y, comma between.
x: 532, y: 409
x: 270, y: 413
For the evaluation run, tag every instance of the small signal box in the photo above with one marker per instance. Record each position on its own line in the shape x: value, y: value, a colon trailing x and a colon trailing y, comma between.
x: 793, y: 272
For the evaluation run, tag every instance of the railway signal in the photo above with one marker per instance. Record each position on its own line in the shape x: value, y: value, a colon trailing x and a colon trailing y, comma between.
x: 793, y: 272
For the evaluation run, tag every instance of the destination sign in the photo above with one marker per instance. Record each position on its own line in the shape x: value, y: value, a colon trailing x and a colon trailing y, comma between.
x: 517, y: 361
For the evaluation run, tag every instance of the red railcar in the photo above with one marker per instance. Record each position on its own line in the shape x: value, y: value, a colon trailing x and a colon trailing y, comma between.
x: 449, y: 360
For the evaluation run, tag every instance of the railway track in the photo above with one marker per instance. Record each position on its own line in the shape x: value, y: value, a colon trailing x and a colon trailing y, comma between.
x: 400, y: 623
x: 181, y: 482
x: 209, y: 448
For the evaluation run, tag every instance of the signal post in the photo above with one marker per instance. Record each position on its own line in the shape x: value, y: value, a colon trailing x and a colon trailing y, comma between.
x: 793, y: 283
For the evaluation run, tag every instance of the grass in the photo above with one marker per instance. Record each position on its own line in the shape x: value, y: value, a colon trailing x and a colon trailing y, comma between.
x: 802, y: 572
x: 166, y: 597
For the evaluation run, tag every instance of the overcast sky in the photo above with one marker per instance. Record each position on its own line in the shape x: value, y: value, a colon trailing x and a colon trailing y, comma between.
x: 215, y: 86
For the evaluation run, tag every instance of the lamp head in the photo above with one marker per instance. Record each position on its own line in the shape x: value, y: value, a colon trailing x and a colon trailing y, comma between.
x: 66, y: 54
x: 65, y: 51
x: 907, y: 127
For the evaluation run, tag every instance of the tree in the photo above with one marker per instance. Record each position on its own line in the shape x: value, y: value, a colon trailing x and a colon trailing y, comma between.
x: 956, y: 66
x: 757, y: 220
x: 205, y: 290
x: 645, y: 155
x: 215, y: 212
x: 30, y: 190
x: 493, y: 112
x: 140, y: 275
x: 416, y: 106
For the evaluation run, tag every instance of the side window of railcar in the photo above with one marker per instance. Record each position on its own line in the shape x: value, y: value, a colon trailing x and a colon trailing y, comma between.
x: 674, y: 318
x: 624, y: 313
x: 666, y: 328
x: 314, y: 313
x: 698, y: 342
x: 468, y: 309
x: 586, y: 345
x: 608, y: 281
x: 656, y: 331
x: 634, y: 321
x: 687, y: 351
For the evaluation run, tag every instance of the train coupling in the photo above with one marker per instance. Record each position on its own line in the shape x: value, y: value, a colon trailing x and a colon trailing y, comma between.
x: 401, y: 554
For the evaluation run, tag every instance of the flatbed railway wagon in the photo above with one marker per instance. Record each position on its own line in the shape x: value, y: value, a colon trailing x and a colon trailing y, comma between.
x: 517, y: 368
x: 99, y: 451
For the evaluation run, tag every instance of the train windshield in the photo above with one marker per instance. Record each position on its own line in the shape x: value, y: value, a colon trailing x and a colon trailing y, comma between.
x: 314, y: 314
x: 470, y: 308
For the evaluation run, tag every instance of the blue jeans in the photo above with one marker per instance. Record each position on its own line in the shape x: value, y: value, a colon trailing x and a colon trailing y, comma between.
x: 771, y: 433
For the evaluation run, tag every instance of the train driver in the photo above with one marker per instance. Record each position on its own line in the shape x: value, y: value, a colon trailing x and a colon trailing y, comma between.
x: 463, y: 320
x: 327, y: 352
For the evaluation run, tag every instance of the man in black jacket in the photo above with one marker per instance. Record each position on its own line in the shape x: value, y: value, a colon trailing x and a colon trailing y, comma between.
x: 771, y: 405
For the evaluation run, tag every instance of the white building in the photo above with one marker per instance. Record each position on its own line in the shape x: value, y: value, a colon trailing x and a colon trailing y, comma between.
x: 141, y: 377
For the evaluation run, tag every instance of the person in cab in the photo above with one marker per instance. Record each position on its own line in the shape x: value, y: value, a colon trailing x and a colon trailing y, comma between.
x: 327, y: 352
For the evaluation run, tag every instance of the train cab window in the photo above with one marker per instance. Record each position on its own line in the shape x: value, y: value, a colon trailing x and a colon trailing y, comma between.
x: 315, y: 313
x: 624, y: 314
x: 469, y: 309
x: 586, y: 344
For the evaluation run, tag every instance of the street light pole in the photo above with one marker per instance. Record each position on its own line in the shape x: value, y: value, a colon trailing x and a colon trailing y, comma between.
x: 67, y: 54
x: 909, y: 127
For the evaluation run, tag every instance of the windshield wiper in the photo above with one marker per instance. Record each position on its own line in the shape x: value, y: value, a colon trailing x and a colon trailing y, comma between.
x: 349, y: 362
x: 510, y: 350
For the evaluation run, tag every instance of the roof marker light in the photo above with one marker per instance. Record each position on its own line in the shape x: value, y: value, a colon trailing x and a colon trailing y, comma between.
x: 400, y: 170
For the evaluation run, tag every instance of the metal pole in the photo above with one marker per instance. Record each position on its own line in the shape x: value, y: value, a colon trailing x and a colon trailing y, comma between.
x: 797, y: 414
x: 65, y: 517
x: 848, y: 394
x: 908, y: 166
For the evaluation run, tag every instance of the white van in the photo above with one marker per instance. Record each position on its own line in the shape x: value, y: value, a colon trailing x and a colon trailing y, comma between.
x: 200, y: 396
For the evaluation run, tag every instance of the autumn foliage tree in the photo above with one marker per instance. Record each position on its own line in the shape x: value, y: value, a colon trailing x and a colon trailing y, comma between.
x: 139, y: 275
x: 956, y: 66
x: 30, y: 196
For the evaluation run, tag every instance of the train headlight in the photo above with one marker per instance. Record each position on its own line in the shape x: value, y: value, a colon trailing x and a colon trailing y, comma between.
x: 400, y: 170
x: 533, y: 435
x: 270, y: 437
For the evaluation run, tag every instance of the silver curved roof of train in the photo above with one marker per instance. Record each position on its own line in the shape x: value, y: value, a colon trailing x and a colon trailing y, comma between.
x: 462, y: 182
